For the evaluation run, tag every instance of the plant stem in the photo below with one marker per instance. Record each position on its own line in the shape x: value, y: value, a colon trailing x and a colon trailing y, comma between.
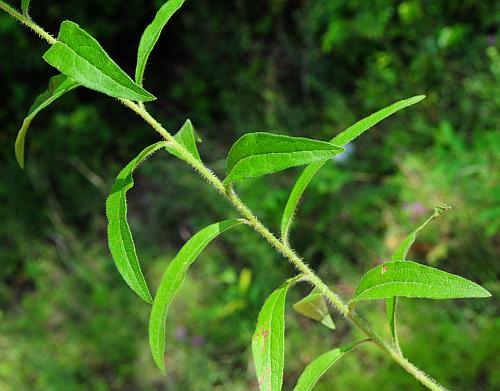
x: 285, y: 250
x: 254, y: 222
x: 27, y: 22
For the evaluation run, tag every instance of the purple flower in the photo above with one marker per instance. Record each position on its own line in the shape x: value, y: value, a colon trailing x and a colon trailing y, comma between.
x: 198, y: 340
x: 416, y: 209
x: 180, y: 333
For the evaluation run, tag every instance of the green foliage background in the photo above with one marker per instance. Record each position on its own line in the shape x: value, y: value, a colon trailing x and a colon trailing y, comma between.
x: 308, y: 68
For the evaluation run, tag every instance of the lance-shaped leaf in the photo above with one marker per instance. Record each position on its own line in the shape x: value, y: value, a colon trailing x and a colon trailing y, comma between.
x: 58, y: 86
x: 402, y: 250
x: 313, y: 372
x: 172, y: 280
x: 78, y: 55
x: 341, y: 139
x: 25, y: 5
x: 411, y: 279
x: 187, y: 137
x: 268, y: 342
x: 151, y: 35
x: 256, y: 154
x: 120, y: 241
x: 314, y: 306
x: 400, y: 254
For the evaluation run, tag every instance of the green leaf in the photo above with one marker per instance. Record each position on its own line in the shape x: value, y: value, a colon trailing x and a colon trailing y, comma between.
x: 268, y: 342
x: 78, y: 55
x: 391, y: 305
x: 341, y: 139
x: 313, y: 372
x: 314, y: 306
x: 256, y: 154
x: 404, y: 247
x: 25, y: 5
x: 187, y: 137
x: 366, y: 123
x: 171, y: 282
x: 293, y: 200
x: 120, y: 241
x: 58, y: 86
x: 151, y: 35
x: 400, y: 254
x: 411, y: 279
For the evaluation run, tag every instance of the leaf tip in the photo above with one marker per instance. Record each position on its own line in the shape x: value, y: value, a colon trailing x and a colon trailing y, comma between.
x: 20, y: 158
x: 483, y: 292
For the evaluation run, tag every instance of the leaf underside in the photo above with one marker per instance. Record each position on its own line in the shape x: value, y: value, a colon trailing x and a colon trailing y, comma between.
x: 151, y: 35
x: 187, y: 137
x: 314, y: 306
x: 171, y: 282
x: 256, y: 154
x: 120, y: 241
x: 58, y: 86
x: 341, y: 139
x: 411, y: 279
x: 79, y: 56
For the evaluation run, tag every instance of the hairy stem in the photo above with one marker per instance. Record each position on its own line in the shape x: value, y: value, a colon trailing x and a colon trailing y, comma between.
x: 281, y: 246
x: 28, y: 22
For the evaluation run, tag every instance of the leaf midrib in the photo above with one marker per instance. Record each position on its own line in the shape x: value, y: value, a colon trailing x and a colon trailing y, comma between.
x: 102, y: 72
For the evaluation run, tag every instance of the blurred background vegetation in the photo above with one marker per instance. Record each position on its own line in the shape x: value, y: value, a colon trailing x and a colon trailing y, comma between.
x: 310, y: 68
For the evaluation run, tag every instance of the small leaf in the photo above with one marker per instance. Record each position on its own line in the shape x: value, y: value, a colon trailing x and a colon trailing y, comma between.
x: 268, y: 342
x: 314, y: 306
x: 404, y: 247
x: 366, y: 123
x: 400, y: 254
x: 58, y: 86
x: 187, y: 137
x: 171, y: 282
x: 293, y: 200
x: 78, y: 55
x: 341, y: 139
x: 256, y: 154
x: 120, y: 241
x: 313, y: 372
x: 151, y: 35
x: 391, y: 305
x: 25, y: 5
x: 411, y: 279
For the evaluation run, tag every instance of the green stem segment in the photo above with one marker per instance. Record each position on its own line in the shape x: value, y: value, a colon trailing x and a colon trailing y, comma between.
x: 27, y: 22
x: 254, y: 222
x: 284, y: 249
